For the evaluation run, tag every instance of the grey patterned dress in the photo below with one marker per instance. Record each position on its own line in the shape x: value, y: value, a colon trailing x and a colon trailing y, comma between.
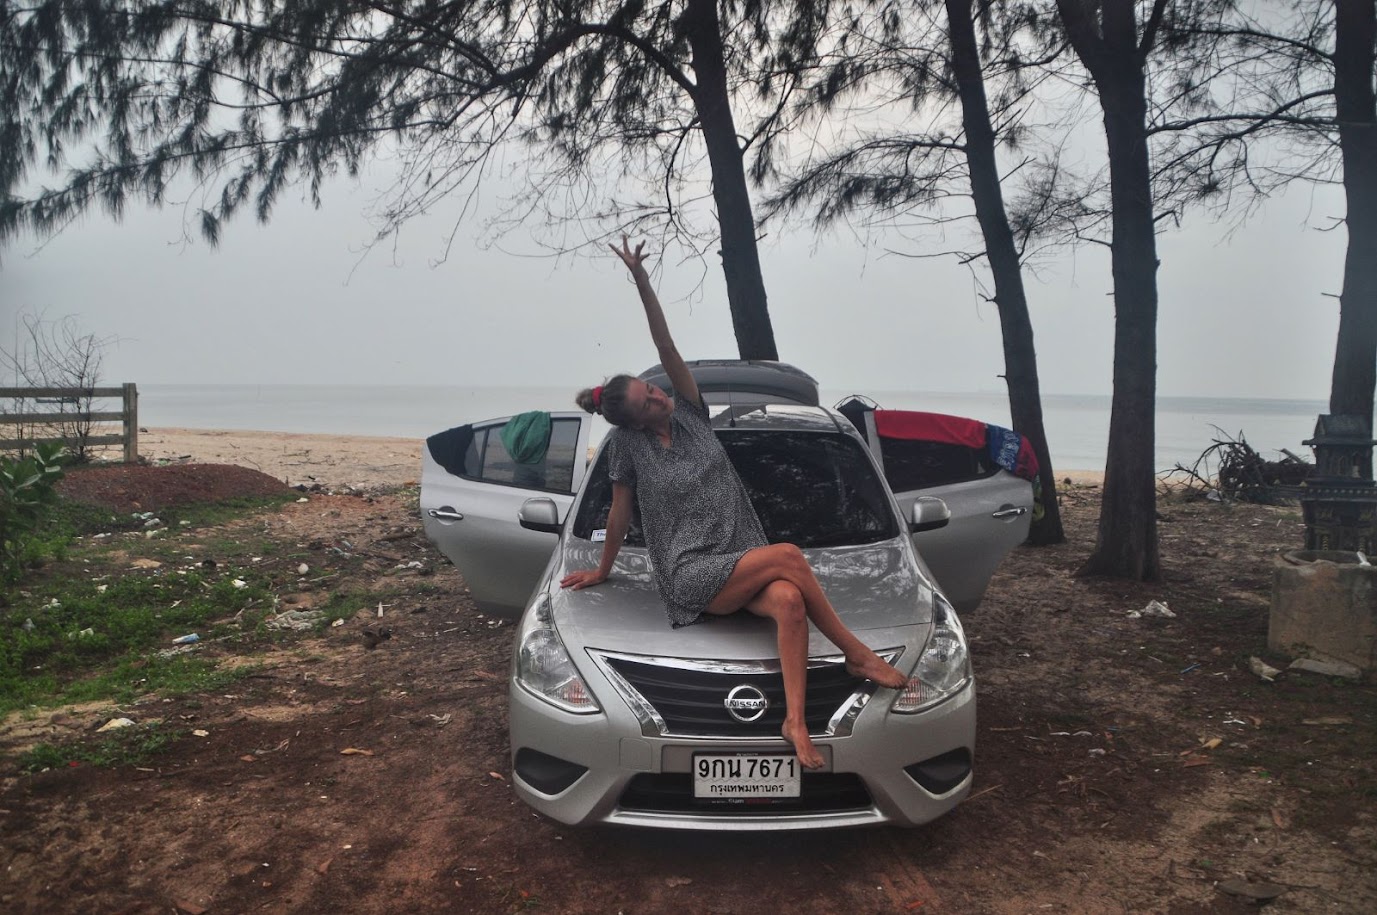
x: 695, y: 513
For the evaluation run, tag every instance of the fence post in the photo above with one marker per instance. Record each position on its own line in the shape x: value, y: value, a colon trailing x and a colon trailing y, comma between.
x: 131, y: 423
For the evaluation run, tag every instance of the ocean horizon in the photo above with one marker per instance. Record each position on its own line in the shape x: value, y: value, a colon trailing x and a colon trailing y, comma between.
x: 1077, y: 424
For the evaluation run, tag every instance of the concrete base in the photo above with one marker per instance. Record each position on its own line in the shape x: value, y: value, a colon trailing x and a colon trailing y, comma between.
x: 1324, y: 605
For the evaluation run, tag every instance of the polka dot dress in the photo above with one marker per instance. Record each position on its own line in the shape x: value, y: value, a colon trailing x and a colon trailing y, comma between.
x: 696, y: 516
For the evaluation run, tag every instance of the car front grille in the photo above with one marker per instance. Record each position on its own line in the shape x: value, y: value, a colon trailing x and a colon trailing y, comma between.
x: 819, y: 792
x: 679, y: 697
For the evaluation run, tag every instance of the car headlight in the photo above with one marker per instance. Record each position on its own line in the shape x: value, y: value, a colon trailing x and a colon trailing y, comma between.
x: 944, y: 668
x: 543, y: 666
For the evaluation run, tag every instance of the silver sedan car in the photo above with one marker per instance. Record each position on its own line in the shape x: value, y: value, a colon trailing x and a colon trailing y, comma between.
x: 617, y: 718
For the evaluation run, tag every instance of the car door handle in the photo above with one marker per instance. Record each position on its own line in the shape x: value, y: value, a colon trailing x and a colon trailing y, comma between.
x: 1009, y: 513
x: 445, y: 514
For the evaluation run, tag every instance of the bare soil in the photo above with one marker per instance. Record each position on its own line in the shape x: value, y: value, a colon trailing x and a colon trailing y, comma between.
x: 339, y: 778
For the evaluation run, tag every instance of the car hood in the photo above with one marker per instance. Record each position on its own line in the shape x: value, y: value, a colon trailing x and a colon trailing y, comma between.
x: 877, y: 590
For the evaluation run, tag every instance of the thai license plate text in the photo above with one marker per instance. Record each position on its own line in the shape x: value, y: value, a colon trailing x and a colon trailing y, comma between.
x: 745, y: 775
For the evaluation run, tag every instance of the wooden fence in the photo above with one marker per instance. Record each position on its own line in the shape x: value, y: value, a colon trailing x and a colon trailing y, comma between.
x: 128, y: 415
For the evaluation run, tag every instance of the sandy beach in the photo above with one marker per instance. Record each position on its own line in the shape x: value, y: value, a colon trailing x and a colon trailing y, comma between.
x: 333, y: 461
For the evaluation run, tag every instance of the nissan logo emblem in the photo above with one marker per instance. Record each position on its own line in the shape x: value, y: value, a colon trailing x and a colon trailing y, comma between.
x: 746, y: 703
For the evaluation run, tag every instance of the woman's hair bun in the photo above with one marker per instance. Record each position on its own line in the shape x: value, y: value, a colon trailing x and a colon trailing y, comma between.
x: 584, y: 399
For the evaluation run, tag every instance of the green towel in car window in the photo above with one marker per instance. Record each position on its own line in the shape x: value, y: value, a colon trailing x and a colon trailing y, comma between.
x: 526, y: 436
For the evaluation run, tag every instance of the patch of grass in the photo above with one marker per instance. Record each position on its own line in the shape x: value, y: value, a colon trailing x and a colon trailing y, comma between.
x: 130, y: 746
x: 208, y: 514
x: 125, y: 681
x: 75, y: 633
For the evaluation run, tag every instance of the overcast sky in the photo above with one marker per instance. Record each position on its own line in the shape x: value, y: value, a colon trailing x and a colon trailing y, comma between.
x: 1252, y: 313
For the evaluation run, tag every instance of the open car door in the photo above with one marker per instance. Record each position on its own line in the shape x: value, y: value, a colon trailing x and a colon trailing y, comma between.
x: 473, y: 490
x: 962, y: 462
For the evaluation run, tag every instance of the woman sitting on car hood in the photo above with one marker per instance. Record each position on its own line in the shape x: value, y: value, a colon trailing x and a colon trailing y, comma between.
x: 707, y: 547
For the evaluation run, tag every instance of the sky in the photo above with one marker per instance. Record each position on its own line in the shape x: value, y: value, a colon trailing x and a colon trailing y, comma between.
x: 1245, y: 311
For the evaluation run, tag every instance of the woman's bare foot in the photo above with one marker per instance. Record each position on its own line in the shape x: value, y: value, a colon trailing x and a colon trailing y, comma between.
x: 873, y: 667
x: 797, y: 734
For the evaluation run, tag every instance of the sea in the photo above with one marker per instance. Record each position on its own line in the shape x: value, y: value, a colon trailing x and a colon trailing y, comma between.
x: 1077, y: 425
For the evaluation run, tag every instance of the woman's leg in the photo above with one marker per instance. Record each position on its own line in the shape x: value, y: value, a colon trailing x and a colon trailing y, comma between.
x: 763, y: 566
x: 783, y: 603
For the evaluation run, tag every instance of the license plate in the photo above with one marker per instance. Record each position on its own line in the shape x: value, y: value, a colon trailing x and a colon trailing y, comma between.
x: 721, y: 777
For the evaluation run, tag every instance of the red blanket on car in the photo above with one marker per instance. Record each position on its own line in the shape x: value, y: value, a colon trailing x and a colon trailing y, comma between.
x: 930, y: 427
x: 1006, y: 448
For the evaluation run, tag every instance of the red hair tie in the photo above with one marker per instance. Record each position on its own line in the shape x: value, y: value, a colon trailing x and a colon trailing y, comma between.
x: 597, y: 398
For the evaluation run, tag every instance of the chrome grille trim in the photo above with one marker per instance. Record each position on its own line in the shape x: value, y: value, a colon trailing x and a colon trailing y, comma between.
x: 653, y: 724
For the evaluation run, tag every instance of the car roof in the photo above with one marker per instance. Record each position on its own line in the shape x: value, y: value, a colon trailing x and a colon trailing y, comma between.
x: 778, y: 417
x: 744, y: 381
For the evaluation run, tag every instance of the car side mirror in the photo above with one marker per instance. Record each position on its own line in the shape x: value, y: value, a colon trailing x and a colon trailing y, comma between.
x: 540, y: 514
x: 929, y: 513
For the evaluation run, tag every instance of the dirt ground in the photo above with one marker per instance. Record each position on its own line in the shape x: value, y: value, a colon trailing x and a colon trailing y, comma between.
x: 1098, y: 787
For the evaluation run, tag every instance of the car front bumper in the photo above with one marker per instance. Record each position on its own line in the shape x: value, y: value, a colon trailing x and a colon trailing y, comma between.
x: 601, y: 768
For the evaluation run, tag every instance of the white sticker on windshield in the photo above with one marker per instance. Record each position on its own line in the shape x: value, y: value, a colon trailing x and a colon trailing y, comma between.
x: 600, y: 535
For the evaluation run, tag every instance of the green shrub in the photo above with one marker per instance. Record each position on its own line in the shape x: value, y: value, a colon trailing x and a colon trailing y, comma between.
x: 26, y: 496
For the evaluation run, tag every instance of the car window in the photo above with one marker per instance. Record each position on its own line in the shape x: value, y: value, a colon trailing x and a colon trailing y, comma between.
x: 808, y: 488
x: 597, y: 503
x: 811, y: 489
x: 485, y: 458
x: 915, y: 464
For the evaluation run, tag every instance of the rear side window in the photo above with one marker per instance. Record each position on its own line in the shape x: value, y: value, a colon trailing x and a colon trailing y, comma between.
x: 915, y: 464
x: 477, y: 453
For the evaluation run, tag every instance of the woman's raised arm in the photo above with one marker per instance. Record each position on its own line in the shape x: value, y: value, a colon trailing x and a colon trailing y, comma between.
x: 678, y: 372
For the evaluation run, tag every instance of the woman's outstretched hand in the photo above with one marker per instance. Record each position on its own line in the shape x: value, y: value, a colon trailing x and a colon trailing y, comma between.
x: 634, y: 260
x: 584, y: 578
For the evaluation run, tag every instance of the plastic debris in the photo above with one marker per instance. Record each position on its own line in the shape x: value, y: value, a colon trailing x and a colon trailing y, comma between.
x: 240, y: 583
x: 186, y: 639
x: 1327, y: 668
x: 1154, y: 608
x: 296, y: 620
x: 180, y: 649
x: 302, y: 569
x: 1258, y: 892
x: 337, y: 623
x: 199, y: 732
x: 114, y: 724
x: 27, y: 625
x: 1098, y: 751
x: 1264, y: 670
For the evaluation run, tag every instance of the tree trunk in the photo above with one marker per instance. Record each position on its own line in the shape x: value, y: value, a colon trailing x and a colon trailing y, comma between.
x: 1126, y: 545
x: 1355, y: 357
x: 1020, y: 355
x: 755, y: 338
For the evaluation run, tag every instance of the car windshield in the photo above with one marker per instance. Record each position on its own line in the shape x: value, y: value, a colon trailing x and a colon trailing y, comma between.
x: 808, y: 488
